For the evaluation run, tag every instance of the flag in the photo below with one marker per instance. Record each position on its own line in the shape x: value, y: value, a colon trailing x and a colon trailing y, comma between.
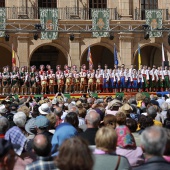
x: 139, y: 57
x: 163, y: 53
x: 13, y: 56
x: 115, y: 56
x: 89, y: 57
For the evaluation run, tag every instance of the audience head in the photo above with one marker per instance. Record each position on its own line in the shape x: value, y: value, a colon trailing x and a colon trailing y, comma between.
x: 42, y: 145
x: 121, y: 118
x: 152, y: 112
x: 7, y: 155
x: 72, y: 118
x: 167, y: 149
x: 106, y: 139
x: 41, y: 122
x: 25, y: 110
x: 164, y: 106
x: 131, y: 124
x: 4, y: 125
x: 110, y: 120
x: 35, y: 111
x: 58, y: 111
x: 92, y: 119
x: 153, y: 141
x: 74, y: 153
x: 145, y: 121
x: 52, y: 120
x: 20, y: 119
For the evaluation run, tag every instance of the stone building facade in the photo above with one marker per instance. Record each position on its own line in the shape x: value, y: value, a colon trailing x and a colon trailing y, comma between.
x: 125, y: 15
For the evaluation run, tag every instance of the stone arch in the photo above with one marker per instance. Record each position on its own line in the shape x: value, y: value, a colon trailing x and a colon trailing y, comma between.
x: 48, y: 53
x: 96, y: 54
x: 57, y: 45
x: 6, y: 51
x: 151, y: 53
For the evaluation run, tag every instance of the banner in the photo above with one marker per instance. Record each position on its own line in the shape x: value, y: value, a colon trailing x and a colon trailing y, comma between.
x: 100, y: 22
x: 2, y: 21
x: 154, y: 20
x: 49, y: 23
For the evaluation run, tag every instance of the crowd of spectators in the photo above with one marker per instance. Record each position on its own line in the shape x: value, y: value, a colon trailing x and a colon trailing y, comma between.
x: 86, y: 133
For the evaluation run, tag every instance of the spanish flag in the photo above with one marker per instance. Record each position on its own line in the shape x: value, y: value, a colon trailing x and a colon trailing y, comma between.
x: 139, y: 58
x: 13, y: 56
x: 89, y: 57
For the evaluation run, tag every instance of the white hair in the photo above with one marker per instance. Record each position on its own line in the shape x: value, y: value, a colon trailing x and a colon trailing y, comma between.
x: 164, y: 106
x: 153, y: 140
x: 20, y: 119
x: 4, y: 124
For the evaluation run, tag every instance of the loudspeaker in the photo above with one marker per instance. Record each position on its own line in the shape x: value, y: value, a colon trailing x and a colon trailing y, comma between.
x: 166, y: 63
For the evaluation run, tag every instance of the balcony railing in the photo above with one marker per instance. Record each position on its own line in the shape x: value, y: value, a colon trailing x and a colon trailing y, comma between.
x: 140, y: 14
x: 66, y: 13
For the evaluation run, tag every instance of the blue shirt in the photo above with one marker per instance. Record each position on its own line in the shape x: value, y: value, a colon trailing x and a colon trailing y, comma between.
x: 62, y: 132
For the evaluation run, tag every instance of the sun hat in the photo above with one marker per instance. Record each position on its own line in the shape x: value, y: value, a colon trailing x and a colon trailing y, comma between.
x: 44, y: 109
x: 41, y: 122
x: 30, y: 126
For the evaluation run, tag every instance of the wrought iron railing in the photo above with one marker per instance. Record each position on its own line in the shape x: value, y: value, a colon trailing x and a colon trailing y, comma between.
x: 65, y: 13
x: 139, y: 14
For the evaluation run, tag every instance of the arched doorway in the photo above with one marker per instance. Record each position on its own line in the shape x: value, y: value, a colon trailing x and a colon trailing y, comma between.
x: 48, y: 55
x: 100, y: 54
x: 6, y: 57
x: 150, y: 55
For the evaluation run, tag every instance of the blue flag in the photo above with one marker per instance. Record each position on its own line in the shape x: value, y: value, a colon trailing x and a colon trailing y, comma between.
x: 88, y: 54
x: 116, y: 62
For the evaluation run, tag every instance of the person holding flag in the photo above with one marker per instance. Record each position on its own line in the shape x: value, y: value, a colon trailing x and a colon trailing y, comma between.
x: 139, y: 58
x: 13, y: 56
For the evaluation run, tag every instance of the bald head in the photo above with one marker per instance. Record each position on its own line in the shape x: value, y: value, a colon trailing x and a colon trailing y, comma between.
x: 74, y: 109
x: 92, y: 119
x: 41, y: 145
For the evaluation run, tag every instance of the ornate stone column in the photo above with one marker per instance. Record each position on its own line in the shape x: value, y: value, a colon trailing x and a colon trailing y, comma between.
x: 126, y: 48
x: 75, y: 50
x: 23, y: 49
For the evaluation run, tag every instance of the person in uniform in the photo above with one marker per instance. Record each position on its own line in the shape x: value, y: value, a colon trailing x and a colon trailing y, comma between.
x: 44, y: 83
x: 134, y: 80
x: 153, y: 78
x: 140, y: 81
x: 128, y: 80
x: 23, y: 80
x: 14, y: 81
x: 69, y: 82
x: 5, y: 81
x: 51, y: 81
x: 99, y: 81
x: 41, y: 70
x: 91, y: 80
x: 145, y: 74
x: 33, y: 80
x: 77, y: 82
x: 105, y: 81
x: 160, y: 83
x: 123, y: 79
x: 166, y: 74
x: 48, y: 69
x: 60, y: 81
x: 99, y: 68
x: 83, y: 80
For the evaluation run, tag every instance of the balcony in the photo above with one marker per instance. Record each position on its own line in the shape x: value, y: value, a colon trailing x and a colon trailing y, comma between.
x: 140, y: 14
x: 66, y: 13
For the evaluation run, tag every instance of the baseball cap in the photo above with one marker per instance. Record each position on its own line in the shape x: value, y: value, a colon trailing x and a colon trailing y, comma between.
x: 41, y: 122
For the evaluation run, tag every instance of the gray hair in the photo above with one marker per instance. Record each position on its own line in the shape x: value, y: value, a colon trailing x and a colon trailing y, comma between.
x: 20, y: 119
x: 74, y: 109
x: 93, y: 118
x: 151, y: 111
x: 70, y: 106
x: 164, y: 106
x: 4, y: 125
x: 153, y: 140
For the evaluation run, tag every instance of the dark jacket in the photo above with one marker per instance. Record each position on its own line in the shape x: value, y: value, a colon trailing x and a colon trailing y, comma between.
x: 89, y: 135
x: 154, y: 163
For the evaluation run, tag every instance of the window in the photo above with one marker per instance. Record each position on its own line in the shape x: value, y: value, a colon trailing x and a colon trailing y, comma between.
x: 2, y: 3
x: 97, y: 3
x: 47, y: 3
x: 148, y: 4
